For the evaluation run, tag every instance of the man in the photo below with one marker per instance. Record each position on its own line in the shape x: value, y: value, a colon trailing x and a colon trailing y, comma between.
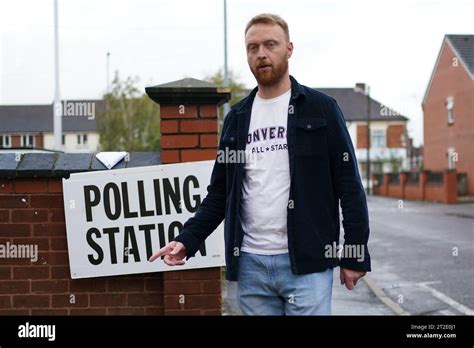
x: 281, y: 209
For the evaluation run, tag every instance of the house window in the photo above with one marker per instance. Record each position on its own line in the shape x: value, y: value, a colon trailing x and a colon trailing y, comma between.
x: 63, y: 139
x: 82, y: 139
x: 5, y: 141
x: 449, y: 108
x: 27, y: 140
x: 452, y: 158
x: 378, y: 138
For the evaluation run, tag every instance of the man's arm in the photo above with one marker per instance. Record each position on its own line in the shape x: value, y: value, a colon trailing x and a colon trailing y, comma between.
x: 349, y: 190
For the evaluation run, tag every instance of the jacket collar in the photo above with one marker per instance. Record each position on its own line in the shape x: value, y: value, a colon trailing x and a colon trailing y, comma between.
x: 297, y: 91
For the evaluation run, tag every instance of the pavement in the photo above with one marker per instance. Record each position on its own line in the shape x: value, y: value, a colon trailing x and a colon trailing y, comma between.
x: 422, y: 263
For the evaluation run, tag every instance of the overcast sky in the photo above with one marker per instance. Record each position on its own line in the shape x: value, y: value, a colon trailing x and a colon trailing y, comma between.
x: 390, y: 45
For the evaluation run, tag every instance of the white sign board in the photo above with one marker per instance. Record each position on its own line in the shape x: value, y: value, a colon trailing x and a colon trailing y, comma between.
x: 117, y: 219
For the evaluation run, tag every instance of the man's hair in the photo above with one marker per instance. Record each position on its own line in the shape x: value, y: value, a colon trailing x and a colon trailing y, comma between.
x: 268, y: 18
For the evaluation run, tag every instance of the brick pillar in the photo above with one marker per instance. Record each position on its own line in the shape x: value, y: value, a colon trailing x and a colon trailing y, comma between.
x: 403, y: 182
x: 422, y: 183
x: 386, y: 179
x: 188, y: 111
x: 450, y: 186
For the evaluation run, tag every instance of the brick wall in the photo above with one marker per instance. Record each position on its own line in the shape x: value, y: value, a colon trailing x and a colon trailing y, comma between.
x: 361, y: 136
x: 450, y: 79
x: 394, y: 135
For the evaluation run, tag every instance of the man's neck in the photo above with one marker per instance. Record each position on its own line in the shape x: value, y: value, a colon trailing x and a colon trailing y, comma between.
x: 269, y: 92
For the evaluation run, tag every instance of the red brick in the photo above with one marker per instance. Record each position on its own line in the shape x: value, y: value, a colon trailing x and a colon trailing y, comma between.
x: 56, y: 215
x: 14, y: 287
x: 53, y: 258
x: 88, y: 311
x: 30, y: 215
x: 169, y: 126
x: 49, y: 286
x: 31, y: 301
x: 173, y: 301
x: 49, y: 312
x: 203, y: 301
x: 15, y: 312
x: 211, y: 286
x: 173, y: 275
x: 361, y: 136
x: 50, y: 230
x: 6, y: 186
x: 154, y: 311
x: 107, y: 300
x: 5, y: 273
x: 31, y: 272
x: 178, y: 111
x: 197, y: 155
x: 4, y: 215
x: 170, y: 156
x: 208, y: 110
x: 145, y: 299
x: 31, y: 185
x: 154, y: 284
x: 198, y: 126
x: 122, y: 285
x: 66, y: 300
x: 182, y: 287
x: 15, y: 261
x: 179, y: 141
x: 42, y: 243
x: 88, y: 285
x: 55, y: 186
x: 59, y: 244
x: 46, y: 201
x: 15, y: 230
x: 60, y: 272
x: 203, y: 273
x: 174, y: 312
x: 126, y: 311
x: 5, y: 301
x: 394, y: 135
x: 208, y: 140
x: 14, y: 201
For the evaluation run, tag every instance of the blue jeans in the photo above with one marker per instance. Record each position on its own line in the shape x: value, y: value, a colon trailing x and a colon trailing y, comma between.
x: 266, y: 286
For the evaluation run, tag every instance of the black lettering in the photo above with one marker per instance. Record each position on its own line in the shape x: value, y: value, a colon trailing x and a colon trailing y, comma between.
x: 147, y: 229
x: 197, y: 198
x: 156, y: 187
x: 113, y: 251
x: 108, y: 211
x: 142, y: 202
x: 161, y: 236
x: 91, y: 202
x: 130, y: 236
x: 126, y: 204
x: 174, y: 194
x: 95, y: 246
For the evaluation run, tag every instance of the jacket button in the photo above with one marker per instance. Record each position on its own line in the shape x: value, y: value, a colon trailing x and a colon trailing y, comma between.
x: 308, y: 126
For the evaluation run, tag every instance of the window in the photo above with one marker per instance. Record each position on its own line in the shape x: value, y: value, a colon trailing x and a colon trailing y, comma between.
x: 452, y: 158
x: 82, y: 139
x: 63, y: 139
x: 5, y: 141
x: 378, y: 138
x: 27, y: 140
x: 449, y: 108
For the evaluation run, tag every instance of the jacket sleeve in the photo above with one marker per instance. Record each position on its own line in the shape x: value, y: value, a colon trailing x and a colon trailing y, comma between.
x: 348, y: 186
x: 212, y: 209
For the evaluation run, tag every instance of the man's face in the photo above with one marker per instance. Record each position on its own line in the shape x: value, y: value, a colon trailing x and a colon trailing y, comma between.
x: 268, y: 51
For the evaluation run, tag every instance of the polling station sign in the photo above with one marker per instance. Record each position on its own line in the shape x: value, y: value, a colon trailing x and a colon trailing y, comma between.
x: 115, y: 220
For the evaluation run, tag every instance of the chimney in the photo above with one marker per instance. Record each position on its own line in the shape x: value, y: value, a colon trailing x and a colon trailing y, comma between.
x: 360, y: 87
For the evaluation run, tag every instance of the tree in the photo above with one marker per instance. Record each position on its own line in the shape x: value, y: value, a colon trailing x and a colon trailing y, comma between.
x: 131, y: 121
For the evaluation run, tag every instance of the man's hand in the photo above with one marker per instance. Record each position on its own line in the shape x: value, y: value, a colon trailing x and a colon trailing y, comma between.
x: 174, y: 252
x: 350, y: 277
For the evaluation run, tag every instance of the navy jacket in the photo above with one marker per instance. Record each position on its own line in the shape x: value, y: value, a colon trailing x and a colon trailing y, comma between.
x: 323, y: 171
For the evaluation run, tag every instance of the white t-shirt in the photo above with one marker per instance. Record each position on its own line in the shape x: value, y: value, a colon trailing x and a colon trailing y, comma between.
x: 266, y: 182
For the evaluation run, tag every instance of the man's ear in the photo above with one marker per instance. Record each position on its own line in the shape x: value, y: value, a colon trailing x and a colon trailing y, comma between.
x: 289, y: 49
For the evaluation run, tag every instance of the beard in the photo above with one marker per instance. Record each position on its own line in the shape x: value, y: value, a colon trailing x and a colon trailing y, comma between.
x: 272, y: 76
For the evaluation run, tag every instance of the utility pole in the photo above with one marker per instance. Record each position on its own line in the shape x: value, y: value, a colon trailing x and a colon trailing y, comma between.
x: 368, y: 140
x: 108, y: 72
x: 57, y: 109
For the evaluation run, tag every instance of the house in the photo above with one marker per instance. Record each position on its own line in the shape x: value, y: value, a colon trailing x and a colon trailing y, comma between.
x: 448, y: 110
x: 388, y: 130
x: 31, y: 126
